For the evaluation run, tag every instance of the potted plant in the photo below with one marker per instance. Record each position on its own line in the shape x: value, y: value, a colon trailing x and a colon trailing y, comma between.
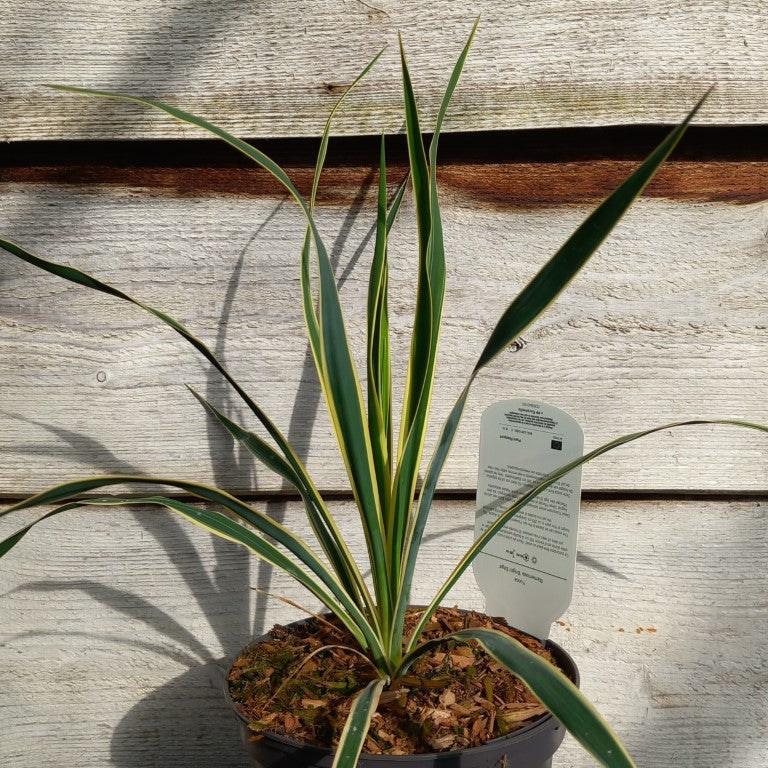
x: 371, y: 621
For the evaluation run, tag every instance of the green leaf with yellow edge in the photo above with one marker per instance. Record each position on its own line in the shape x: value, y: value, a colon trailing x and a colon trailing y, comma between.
x: 356, y: 727
x: 540, y: 292
x: 427, y: 319
x: 323, y: 524
x: 378, y: 347
x: 555, y: 691
x: 337, y: 371
x: 377, y: 357
x: 539, y: 488
x: 558, y: 272
x: 78, y: 277
x: 260, y: 521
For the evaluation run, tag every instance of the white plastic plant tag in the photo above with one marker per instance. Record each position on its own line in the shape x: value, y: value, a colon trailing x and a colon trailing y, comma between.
x: 526, y: 571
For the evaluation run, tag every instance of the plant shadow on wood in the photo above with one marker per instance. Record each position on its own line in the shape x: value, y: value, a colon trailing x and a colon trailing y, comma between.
x: 169, y: 532
x: 186, y: 721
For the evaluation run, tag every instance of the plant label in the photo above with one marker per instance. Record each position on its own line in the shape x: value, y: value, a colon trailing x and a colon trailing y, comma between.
x: 526, y: 570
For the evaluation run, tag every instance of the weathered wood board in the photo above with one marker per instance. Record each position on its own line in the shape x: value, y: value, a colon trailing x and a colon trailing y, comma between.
x: 116, y: 626
x: 275, y: 69
x: 667, y: 322
x: 114, y: 629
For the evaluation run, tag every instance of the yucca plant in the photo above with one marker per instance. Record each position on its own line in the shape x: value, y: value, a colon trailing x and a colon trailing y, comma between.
x: 382, y: 471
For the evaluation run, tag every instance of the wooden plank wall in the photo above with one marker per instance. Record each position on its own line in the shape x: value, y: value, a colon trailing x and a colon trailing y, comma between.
x: 115, y: 626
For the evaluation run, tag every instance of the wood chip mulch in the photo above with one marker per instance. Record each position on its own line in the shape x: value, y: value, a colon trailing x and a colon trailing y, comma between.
x: 452, y: 698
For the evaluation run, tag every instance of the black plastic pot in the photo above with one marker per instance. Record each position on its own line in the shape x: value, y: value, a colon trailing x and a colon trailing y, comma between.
x: 529, y: 747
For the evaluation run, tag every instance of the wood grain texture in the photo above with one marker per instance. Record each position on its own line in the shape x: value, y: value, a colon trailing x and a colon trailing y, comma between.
x: 114, y: 629
x: 275, y: 69
x: 667, y: 322
x: 507, y: 184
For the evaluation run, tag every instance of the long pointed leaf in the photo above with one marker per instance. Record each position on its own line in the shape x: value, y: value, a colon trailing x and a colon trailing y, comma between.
x: 429, y: 296
x: 446, y: 100
x: 555, y: 275
x: 553, y: 689
x: 323, y: 151
x: 324, y: 526
x: 221, y: 526
x: 431, y: 287
x: 382, y: 375
x: 244, y: 147
x: 271, y: 459
x: 309, y: 309
x: 349, y: 425
x: 396, y: 201
x: 378, y: 362
x: 378, y: 351
x: 417, y: 156
x: 261, y: 522
x: 82, y: 278
x: 422, y: 334
x: 356, y: 728
x: 340, y: 384
x: 539, y: 488
x: 259, y: 448
x: 338, y: 375
x: 532, y: 301
x: 423, y: 357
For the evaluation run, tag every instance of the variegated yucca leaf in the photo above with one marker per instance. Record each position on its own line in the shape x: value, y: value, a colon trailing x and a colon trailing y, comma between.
x: 528, y: 495
x: 323, y: 525
x: 333, y: 358
x: 324, y: 581
x: 358, y: 722
x: 540, y: 292
x: 428, y: 314
x: 555, y: 691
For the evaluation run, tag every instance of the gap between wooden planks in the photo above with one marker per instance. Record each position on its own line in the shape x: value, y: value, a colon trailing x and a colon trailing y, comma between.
x: 508, y: 168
